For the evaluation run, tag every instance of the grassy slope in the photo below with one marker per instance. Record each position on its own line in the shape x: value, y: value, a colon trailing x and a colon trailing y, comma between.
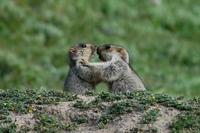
x: 162, y: 40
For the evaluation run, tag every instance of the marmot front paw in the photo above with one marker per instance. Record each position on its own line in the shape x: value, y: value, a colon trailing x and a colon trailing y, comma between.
x: 84, y: 62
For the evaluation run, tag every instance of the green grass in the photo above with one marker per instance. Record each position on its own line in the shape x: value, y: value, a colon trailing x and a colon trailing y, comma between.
x: 163, y: 40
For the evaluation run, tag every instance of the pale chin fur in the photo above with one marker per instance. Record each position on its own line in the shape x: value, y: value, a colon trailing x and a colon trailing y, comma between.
x: 115, y: 57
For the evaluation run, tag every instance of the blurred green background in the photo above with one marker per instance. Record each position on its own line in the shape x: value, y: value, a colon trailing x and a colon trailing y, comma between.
x: 162, y: 37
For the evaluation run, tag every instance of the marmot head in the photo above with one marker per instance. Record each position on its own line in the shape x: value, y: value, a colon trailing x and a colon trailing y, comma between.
x: 108, y: 51
x: 81, y: 51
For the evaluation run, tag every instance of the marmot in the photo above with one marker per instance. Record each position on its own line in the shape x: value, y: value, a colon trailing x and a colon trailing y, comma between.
x: 73, y: 82
x: 114, y: 70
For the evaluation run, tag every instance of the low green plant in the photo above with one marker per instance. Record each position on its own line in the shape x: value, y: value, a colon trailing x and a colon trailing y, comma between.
x: 108, y: 97
x: 49, y: 123
x: 117, y: 109
x: 150, y: 116
x: 79, y: 119
x: 104, y: 120
x: 11, y: 128
x: 96, y: 103
x: 81, y: 104
x: 121, y: 107
x: 187, y: 122
x: 148, y: 98
x: 169, y: 101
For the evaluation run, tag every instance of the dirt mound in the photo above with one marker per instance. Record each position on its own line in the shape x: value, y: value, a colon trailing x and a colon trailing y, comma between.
x: 101, y: 113
x: 88, y: 119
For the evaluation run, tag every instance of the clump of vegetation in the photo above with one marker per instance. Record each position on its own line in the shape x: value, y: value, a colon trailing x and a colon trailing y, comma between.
x: 82, y: 104
x: 71, y: 126
x: 11, y: 128
x: 109, y: 97
x: 147, y: 98
x: 104, y: 120
x: 143, y: 97
x: 195, y: 102
x: 49, y: 123
x: 79, y: 119
x: 187, y: 122
x: 117, y: 109
x: 96, y: 103
x: 150, y: 116
x: 6, y: 124
x: 168, y: 101
x: 123, y: 107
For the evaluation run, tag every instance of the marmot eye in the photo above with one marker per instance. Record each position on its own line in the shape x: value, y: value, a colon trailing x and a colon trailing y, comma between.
x: 82, y: 45
x: 107, y: 47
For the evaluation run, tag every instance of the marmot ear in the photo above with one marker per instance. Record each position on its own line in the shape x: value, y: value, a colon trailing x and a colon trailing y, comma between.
x: 124, y: 55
